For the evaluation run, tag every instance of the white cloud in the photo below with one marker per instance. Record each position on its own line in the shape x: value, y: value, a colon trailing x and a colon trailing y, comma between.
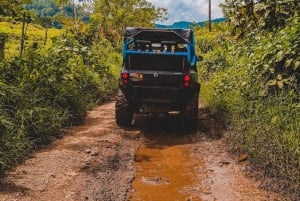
x: 188, y: 10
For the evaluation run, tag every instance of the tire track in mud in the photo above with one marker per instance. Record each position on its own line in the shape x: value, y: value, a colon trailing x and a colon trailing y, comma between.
x: 155, y: 160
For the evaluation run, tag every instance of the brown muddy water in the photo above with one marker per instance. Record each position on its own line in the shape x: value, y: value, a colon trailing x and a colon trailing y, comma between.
x: 162, y: 174
x: 164, y: 168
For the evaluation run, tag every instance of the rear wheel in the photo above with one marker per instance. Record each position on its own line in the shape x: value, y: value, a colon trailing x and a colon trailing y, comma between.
x: 190, y: 113
x: 123, y: 111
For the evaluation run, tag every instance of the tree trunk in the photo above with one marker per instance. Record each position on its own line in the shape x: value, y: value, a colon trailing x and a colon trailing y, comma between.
x: 23, y: 34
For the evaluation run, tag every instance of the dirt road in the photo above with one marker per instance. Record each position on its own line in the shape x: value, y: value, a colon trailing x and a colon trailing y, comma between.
x: 156, y: 160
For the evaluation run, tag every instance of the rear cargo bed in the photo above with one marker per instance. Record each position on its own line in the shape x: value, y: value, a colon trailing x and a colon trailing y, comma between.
x: 156, y: 62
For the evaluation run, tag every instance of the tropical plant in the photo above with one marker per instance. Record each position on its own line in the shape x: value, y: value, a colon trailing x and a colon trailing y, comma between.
x: 11, y: 9
x: 255, y: 90
x: 248, y: 16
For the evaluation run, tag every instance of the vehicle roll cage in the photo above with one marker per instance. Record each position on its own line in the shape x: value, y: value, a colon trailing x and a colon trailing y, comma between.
x: 169, y: 42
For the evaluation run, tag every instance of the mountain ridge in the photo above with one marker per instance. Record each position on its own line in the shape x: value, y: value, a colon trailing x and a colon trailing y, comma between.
x: 186, y: 24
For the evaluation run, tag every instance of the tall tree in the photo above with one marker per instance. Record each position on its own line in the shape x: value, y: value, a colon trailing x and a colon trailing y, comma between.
x: 112, y: 16
x: 74, y: 12
x: 12, y: 8
x: 43, y: 8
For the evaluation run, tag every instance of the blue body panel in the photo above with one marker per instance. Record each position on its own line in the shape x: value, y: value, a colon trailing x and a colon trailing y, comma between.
x: 189, y: 53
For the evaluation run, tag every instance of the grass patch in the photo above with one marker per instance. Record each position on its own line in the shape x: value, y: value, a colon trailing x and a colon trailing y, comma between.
x: 34, y: 34
x: 253, y: 85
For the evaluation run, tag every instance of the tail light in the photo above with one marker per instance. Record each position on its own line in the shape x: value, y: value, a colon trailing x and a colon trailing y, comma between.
x: 186, y: 80
x: 125, y: 78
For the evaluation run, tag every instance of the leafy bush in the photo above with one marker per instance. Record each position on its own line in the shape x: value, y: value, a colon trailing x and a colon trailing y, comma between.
x: 48, y: 89
x: 255, y: 88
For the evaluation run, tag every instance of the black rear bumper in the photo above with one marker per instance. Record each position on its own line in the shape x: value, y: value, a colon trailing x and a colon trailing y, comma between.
x: 151, y: 99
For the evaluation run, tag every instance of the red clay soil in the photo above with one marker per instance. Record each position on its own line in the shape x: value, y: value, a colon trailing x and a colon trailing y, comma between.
x: 155, y: 160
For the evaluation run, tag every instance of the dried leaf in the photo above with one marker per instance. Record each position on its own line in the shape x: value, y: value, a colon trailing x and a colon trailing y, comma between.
x: 243, y: 157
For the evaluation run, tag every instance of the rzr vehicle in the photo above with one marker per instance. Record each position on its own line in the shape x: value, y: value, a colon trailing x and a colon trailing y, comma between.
x: 159, y: 75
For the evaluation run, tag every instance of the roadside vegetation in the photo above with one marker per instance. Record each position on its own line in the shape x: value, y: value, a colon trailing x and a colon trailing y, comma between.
x: 251, y: 81
x: 70, y: 60
x: 48, y: 82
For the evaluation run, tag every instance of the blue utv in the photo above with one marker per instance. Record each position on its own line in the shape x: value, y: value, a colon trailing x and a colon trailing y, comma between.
x: 159, y: 75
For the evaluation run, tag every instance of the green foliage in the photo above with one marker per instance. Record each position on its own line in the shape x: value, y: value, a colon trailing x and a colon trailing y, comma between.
x: 43, y: 8
x: 278, y: 61
x: 12, y: 9
x: 21, y: 120
x: 48, y: 89
x: 269, y: 133
x: 213, y: 46
x: 34, y: 33
x: 250, y: 16
x: 111, y: 17
x: 51, y: 86
x: 255, y: 89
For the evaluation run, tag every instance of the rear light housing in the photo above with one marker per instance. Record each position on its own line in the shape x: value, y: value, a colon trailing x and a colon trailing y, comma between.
x: 125, y: 78
x: 186, y: 80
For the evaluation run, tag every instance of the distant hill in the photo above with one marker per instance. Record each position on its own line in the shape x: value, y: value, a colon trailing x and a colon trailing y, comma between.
x: 186, y: 25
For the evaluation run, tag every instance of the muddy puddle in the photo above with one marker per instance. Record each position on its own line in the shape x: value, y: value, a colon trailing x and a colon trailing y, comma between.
x: 164, y: 169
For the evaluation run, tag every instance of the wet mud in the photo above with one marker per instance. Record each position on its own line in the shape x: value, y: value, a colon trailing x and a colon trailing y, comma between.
x: 164, y: 169
x: 173, y: 163
x: 158, y: 159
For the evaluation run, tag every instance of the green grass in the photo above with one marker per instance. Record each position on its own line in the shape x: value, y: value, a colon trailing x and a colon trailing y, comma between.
x: 263, y: 119
x: 49, y: 87
x: 34, y: 33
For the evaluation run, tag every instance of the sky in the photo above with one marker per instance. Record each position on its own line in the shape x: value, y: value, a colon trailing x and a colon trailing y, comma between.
x: 188, y: 10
